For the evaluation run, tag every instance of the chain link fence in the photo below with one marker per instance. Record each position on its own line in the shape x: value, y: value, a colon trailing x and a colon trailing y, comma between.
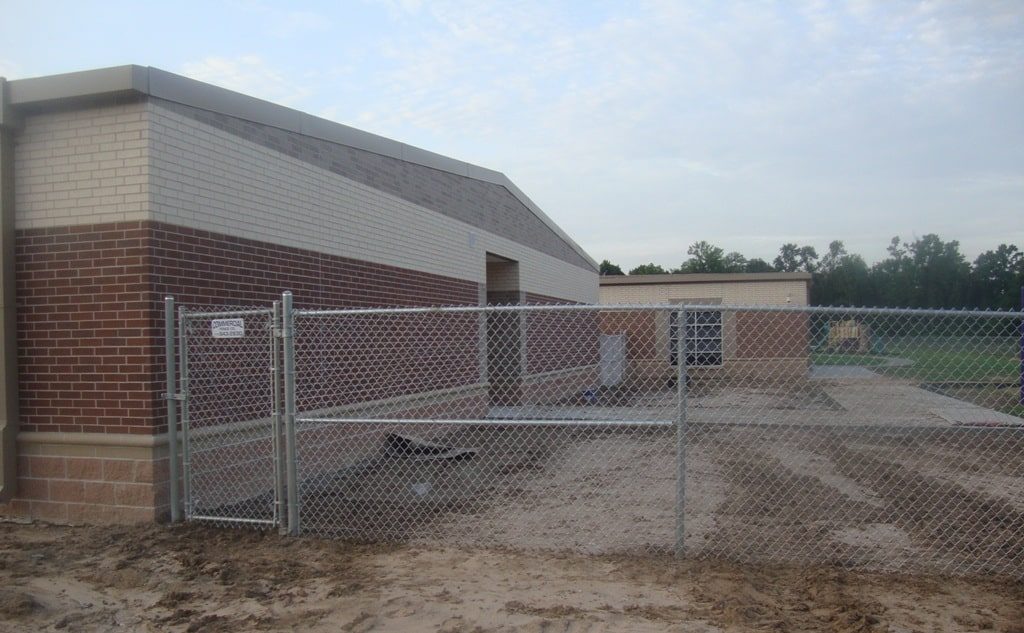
x: 883, y: 439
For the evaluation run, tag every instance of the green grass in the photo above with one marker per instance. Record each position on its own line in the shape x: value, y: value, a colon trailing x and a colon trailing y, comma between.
x: 938, y: 360
x: 836, y: 358
x: 985, y: 371
x: 956, y: 360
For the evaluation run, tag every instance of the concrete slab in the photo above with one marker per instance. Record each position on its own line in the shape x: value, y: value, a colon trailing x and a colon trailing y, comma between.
x: 834, y: 372
x: 835, y: 396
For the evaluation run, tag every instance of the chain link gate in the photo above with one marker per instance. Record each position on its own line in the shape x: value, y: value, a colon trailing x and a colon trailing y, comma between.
x: 231, y: 415
x: 884, y: 439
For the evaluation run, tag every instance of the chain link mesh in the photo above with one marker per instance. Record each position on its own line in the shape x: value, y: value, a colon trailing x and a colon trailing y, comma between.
x: 479, y: 426
x: 229, y: 415
x: 882, y: 439
x: 885, y: 439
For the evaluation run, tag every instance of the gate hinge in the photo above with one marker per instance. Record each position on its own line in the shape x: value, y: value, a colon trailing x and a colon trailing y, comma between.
x: 173, y: 396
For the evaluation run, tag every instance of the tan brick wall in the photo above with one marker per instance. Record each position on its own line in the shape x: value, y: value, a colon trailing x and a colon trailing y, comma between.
x: 731, y: 293
x: 84, y: 166
x: 142, y: 161
x: 209, y: 179
x: 76, y: 478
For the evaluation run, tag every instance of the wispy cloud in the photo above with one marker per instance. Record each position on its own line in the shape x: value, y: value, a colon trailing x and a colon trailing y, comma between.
x: 642, y: 127
x: 249, y: 74
x: 9, y: 69
x: 284, y: 23
x: 400, y: 8
x: 991, y: 183
x: 710, y: 116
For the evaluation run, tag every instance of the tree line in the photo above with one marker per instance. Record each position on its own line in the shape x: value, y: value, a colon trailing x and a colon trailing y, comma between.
x: 924, y: 273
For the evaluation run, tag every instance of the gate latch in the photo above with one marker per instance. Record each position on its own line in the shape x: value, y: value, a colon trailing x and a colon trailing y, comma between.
x: 173, y: 396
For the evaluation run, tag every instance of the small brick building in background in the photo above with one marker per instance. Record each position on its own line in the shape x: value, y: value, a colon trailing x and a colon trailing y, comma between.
x: 731, y: 342
x: 122, y: 185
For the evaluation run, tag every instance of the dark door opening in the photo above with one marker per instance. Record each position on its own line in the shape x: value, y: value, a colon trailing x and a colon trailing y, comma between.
x: 504, y: 333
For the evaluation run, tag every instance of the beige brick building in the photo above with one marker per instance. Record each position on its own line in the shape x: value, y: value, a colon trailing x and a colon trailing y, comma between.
x: 715, y: 288
x: 122, y: 185
x: 734, y: 341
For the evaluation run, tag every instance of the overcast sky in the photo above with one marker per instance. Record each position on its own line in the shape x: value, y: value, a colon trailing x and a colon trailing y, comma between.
x: 640, y: 127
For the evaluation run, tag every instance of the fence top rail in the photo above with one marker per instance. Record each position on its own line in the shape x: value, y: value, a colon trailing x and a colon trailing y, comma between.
x: 984, y: 314
x: 493, y: 422
x: 214, y: 314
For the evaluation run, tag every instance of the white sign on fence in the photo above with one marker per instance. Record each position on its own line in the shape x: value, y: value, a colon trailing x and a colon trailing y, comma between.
x: 228, y: 328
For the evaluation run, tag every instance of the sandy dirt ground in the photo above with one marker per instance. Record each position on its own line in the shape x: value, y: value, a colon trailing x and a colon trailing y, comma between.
x: 937, y: 500
x: 157, y: 578
x: 864, y: 472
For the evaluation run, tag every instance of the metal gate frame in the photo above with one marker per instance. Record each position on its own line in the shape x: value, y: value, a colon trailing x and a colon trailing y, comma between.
x: 180, y: 440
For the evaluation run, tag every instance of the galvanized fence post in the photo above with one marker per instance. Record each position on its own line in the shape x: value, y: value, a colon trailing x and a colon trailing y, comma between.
x: 275, y: 369
x: 172, y: 407
x: 287, y: 337
x: 680, y: 335
x: 186, y: 446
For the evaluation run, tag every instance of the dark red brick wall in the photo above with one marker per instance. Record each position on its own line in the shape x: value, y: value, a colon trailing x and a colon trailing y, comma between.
x: 639, y: 326
x: 560, y: 339
x: 343, y: 360
x: 203, y: 268
x: 86, y: 341
x: 90, y: 315
x: 772, y: 334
